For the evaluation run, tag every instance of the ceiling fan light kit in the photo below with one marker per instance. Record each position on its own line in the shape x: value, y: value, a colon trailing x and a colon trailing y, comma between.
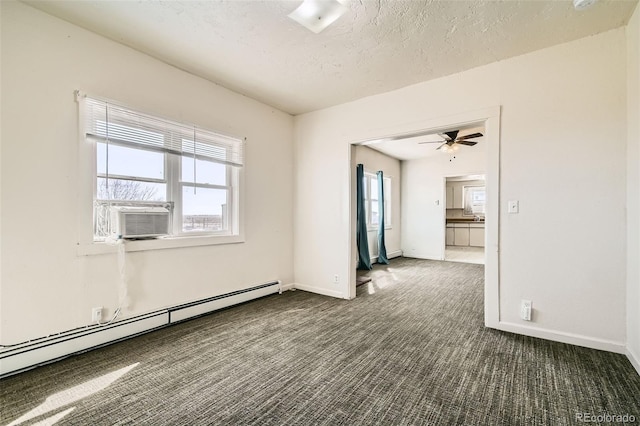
x: 449, y: 149
x: 452, y: 141
x: 316, y: 15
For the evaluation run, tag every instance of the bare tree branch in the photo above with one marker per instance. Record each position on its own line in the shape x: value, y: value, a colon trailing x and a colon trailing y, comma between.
x: 126, y: 190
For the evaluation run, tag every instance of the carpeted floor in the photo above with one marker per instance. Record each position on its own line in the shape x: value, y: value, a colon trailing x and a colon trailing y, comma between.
x: 410, y: 349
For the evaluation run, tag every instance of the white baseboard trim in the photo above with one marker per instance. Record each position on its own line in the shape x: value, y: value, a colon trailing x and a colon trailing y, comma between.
x: 634, y: 359
x: 428, y: 256
x: 390, y: 255
x: 559, y: 336
x: 286, y: 287
x: 319, y: 290
x: 41, y: 351
x: 393, y: 254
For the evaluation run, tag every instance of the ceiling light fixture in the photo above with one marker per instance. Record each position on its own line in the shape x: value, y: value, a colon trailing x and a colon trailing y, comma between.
x: 450, y: 149
x: 583, y: 4
x: 316, y: 15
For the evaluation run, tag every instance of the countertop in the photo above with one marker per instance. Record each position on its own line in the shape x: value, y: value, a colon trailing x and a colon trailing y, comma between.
x: 463, y: 220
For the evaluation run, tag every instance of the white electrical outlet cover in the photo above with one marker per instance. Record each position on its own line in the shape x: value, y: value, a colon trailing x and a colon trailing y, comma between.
x: 525, y: 310
x: 96, y: 314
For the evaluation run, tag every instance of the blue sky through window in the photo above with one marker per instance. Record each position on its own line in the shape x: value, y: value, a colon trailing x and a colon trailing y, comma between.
x: 139, y: 163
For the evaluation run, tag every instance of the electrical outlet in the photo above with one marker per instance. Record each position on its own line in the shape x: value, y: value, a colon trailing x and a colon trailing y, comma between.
x: 336, y: 279
x: 96, y: 314
x: 525, y: 310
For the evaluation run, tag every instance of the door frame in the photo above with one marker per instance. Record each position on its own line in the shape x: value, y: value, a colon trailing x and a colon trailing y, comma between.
x: 490, y: 117
x: 444, y: 207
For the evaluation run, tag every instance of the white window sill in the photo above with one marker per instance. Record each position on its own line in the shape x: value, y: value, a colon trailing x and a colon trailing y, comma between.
x: 386, y: 228
x: 98, y: 247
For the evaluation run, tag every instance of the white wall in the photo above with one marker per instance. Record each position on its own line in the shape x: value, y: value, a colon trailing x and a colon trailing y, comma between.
x: 46, y: 287
x: 373, y: 161
x: 1, y: 181
x: 423, y: 233
x: 633, y: 188
x: 561, y: 113
x: 562, y: 141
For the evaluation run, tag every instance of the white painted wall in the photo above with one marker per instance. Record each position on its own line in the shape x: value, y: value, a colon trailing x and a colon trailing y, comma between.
x: 563, y: 153
x: 373, y: 161
x: 1, y: 181
x: 423, y: 233
x: 563, y: 150
x: 633, y: 188
x: 45, y: 286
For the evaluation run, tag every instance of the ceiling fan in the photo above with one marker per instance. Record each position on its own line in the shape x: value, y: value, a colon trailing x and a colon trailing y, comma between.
x: 451, y: 140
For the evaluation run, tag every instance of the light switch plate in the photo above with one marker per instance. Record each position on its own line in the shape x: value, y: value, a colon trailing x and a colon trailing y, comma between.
x: 514, y: 206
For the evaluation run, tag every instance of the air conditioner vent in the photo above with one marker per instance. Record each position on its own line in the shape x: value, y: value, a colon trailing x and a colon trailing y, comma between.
x: 139, y: 222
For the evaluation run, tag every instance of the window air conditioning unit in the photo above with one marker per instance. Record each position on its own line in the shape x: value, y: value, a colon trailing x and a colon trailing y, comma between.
x: 139, y: 222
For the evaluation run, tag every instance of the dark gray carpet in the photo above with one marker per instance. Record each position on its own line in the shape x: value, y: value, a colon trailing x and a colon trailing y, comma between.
x: 411, y: 349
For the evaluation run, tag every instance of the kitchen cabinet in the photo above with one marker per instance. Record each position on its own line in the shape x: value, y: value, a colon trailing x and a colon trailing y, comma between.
x: 449, y: 235
x: 476, y: 235
x: 461, y: 234
x: 449, y: 197
x: 458, y: 197
x: 465, y: 234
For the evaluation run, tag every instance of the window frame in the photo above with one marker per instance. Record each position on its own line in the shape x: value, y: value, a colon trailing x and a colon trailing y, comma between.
x: 113, y: 176
x: 87, y: 171
x: 468, y: 204
x: 368, y: 176
x: 177, y: 186
x: 388, y: 196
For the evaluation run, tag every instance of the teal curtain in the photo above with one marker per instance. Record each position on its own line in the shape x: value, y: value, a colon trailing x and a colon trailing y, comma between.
x: 382, y: 250
x: 364, y: 260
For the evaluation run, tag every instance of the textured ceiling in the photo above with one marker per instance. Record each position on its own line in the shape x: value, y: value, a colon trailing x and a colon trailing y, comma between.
x: 253, y: 48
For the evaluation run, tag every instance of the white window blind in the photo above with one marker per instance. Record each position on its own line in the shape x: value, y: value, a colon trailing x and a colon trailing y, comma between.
x: 115, y: 124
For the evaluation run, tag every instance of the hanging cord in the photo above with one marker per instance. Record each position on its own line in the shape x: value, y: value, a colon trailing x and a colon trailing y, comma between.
x: 106, y: 173
x: 123, y: 285
x: 106, y: 116
x: 115, y: 315
x: 123, y: 288
x: 194, y: 160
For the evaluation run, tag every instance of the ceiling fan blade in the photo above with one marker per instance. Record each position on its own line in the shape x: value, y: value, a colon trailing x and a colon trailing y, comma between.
x: 471, y: 136
x: 440, y: 147
x: 419, y: 143
x: 468, y: 143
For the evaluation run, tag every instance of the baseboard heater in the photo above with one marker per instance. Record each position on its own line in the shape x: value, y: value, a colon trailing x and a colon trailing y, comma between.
x: 53, y: 348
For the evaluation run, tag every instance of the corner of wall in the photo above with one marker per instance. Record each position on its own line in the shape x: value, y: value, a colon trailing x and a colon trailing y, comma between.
x: 633, y: 190
x: 634, y: 359
x: 319, y: 290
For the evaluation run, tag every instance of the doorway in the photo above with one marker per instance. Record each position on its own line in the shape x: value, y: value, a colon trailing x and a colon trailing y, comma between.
x: 465, y: 218
x: 490, y: 119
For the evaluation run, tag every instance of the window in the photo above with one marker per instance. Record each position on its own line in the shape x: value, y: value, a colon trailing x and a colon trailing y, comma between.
x: 474, y: 200
x: 141, y: 160
x: 371, y: 200
x: 387, y: 201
